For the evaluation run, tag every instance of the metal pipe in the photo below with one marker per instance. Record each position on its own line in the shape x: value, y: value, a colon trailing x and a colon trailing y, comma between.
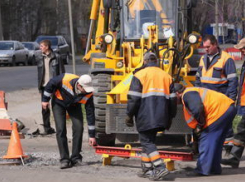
x: 93, y: 17
x: 91, y: 28
x: 72, y: 38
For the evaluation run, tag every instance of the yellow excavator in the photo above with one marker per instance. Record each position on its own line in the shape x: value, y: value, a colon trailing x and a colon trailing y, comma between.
x: 121, y: 32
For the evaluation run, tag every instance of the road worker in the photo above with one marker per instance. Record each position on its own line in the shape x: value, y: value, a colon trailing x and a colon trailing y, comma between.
x: 152, y: 101
x: 239, y: 138
x: 210, y: 114
x: 69, y: 92
x: 217, y: 71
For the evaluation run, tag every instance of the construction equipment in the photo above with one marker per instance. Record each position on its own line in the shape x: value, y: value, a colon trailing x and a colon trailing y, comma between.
x: 5, y: 124
x: 128, y: 152
x: 5, y: 120
x: 125, y: 30
x: 15, y: 150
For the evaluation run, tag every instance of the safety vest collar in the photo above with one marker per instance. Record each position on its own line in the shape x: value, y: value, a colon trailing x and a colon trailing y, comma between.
x: 215, y: 59
x: 151, y: 65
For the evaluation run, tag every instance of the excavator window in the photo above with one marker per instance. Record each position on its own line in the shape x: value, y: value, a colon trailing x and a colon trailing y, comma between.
x: 139, y: 14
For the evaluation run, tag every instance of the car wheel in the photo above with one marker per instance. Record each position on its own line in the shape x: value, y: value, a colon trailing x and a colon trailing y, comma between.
x: 13, y: 61
x: 67, y: 59
x: 33, y: 61
x: 25, y: 63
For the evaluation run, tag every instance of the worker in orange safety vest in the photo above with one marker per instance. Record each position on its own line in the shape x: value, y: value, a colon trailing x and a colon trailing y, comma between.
x: 233, y: 159
x: 217, y: 71
x: 69, y: 91
x: 209, y: 114
x: 152, y: 102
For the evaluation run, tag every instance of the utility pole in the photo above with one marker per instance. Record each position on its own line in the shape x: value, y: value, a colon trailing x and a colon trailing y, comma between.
x: 1, y: 27
x: 72, y: 37
x: 217, y: 19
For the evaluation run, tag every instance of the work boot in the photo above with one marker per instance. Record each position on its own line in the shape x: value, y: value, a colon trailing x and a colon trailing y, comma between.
x: 65, y: 165
x: 77, y: 163
x: 158, y: 174
x: 145, y: 172
x: 234, y: 158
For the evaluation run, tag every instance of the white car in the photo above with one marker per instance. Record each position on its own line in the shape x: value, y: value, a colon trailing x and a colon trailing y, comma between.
x: 13, y: 53
x: 34, y: 52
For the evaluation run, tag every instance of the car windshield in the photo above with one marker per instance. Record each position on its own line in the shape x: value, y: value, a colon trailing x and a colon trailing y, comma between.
x: 54, y: 40
x: 140, y: 14
x: 6, y: 46
x: 29, y: 46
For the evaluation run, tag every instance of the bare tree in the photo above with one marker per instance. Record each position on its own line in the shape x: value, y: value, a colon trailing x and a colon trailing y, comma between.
x: 230, y: 11
x: 1, y: 29
x: 24, y: 20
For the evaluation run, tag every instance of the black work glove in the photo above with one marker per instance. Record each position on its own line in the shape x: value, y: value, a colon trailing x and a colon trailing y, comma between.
x: 198, y: 131
x: 129, y: 121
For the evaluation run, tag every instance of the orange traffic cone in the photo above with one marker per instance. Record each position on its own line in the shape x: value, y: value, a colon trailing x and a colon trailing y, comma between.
x: 15, y: 149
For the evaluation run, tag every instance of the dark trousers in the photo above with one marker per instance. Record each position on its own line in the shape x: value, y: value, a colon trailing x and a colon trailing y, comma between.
x: 211, y: 143
x: 147, y: 141
x: 75, y: 113
x: 149, y: 149
x: 46, y: 116
x: 239, y: 137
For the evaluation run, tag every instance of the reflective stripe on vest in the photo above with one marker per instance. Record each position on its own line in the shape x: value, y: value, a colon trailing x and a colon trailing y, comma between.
x: 66, y: 85
x: 208, y: 75
x: 215, y: 105
x: 85, y: 98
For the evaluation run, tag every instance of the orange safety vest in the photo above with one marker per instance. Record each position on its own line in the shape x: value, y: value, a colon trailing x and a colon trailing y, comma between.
x: 85, y: 98
x: 207, y: 75
x: 215, y: 105
x: 154, y: 85
x: 242, y: 87
x: 69, y: 88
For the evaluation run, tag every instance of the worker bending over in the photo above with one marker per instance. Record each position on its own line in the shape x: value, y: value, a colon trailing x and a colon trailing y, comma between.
x: 210, y: 114
x: 69, y: 92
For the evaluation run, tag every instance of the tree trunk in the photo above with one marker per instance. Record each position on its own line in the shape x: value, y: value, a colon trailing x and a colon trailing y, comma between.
x: 1, y: 26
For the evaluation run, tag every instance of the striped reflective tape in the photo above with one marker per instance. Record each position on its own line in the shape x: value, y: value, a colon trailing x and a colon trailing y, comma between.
x: 68, y: 89
x: 232, y: 75
x: 172, y: 95
x: 213, y: 79
x: 155, y: 94
x: 134, y: 93
x: 47, y: 94
x: 91, y: 127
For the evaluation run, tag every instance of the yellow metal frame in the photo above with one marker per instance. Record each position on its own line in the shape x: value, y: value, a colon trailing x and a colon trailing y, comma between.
x: 107, y: 159
x: 132, y: 57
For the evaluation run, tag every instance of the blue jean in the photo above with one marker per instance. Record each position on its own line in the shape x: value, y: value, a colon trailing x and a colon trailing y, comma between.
x: 211, y: 143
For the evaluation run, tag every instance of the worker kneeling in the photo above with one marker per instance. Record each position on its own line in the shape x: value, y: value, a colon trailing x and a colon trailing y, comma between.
x: 152, y: 100
x: 210, y: 114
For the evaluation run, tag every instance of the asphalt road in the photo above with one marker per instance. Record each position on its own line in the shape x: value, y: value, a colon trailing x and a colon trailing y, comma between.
x: 43, y: 165
x: 25, y: 77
